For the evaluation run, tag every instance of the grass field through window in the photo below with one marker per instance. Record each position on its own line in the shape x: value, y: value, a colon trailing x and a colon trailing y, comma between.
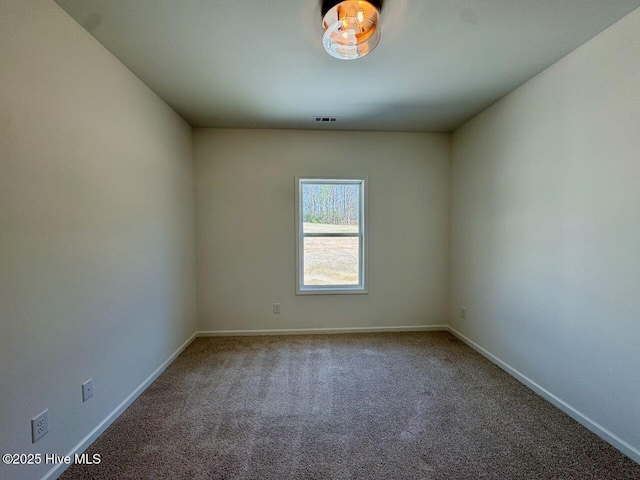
x: 331, y: 260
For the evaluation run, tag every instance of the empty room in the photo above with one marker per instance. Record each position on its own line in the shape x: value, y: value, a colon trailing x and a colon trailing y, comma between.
x: 319, y: 239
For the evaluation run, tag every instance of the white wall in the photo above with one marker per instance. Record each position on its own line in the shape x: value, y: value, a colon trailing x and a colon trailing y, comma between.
x: 246, y: 235
x: 545, y: 250
x: 97, y: 269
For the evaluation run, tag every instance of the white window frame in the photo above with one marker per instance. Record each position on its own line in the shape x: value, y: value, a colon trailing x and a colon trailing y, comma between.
x: 360, y: 288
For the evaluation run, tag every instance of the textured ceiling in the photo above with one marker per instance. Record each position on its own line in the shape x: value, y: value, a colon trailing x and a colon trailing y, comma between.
x: 260, y: 64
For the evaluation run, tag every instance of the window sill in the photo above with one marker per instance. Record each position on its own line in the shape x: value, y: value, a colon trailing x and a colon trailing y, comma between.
x: 331, y: 291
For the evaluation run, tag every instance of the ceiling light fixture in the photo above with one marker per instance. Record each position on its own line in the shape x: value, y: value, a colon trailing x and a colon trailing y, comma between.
x: 351, y: 27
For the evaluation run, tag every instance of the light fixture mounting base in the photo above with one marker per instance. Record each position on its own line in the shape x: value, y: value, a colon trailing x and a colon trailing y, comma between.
x: 329, y: 4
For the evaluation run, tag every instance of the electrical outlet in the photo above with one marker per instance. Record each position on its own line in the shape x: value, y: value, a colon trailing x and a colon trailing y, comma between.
x: 39, y: 426
x: 87, y: 390
x: 463, y: 312
x: 276, y: 308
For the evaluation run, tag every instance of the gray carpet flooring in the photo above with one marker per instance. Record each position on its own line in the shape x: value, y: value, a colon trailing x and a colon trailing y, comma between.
x: 366, y: 406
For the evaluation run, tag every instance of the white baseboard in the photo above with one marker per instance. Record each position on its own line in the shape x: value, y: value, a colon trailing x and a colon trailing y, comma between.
x: 56, y: 471
x: 321, y: 331
x: 609, y: 437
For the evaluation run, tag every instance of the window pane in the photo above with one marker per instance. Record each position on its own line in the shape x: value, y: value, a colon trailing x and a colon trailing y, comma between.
x: 330, y: 208
x: 331, y: 260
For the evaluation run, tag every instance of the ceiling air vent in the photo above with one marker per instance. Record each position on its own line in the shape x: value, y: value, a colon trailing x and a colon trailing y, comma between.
x: 325, y: 119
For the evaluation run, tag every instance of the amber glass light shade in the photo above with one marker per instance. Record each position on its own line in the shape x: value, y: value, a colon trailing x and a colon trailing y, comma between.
x: 351, y: 29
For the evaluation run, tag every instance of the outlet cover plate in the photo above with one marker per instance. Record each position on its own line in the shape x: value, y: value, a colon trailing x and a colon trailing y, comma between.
x: 39, y: 426
x: 87, y: 390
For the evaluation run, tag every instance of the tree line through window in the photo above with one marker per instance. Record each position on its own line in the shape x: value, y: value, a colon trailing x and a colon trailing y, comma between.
x: 331, y: 204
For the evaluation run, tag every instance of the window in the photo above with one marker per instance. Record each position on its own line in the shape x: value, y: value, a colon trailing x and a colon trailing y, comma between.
x: 330, y: 230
